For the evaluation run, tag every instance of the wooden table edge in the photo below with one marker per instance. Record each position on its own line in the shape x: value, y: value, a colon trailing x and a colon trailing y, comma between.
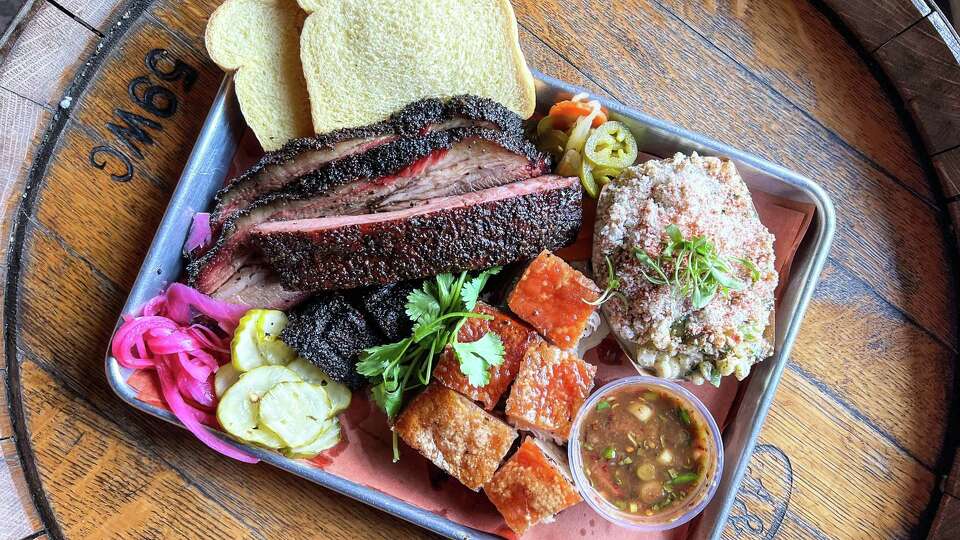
x: 944, y: 163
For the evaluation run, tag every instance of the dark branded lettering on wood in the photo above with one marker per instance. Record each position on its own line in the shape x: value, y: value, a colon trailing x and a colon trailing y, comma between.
x: 132, y: 131
x: 761, y: 504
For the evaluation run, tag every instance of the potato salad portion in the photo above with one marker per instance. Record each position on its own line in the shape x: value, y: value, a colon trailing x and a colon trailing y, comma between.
x: 689, y: 268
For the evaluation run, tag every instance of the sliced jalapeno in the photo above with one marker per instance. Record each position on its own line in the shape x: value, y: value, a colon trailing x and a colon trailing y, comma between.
x: 552, y: 141
x: 603, y: 175
x: 545, y: 125
x: 587, y: 180
x: 611, y: 145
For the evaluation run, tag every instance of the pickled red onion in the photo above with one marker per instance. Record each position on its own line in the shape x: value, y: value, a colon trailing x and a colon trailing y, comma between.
x: 184, y: 355
x: 200, y: 233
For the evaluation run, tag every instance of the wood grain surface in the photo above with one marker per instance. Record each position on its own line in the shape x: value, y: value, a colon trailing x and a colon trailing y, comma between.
x: 853, y: 445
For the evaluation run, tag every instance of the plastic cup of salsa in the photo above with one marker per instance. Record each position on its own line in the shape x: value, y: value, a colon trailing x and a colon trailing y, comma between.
x: 614, y: 452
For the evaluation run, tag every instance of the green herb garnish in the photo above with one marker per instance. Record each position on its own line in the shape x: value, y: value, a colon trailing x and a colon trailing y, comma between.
x: 438, y: 310
x: 683, y: 478
x: 603, y: 404
x: 684, y: 416
x: 609, y: 453
x: 613, y: 283
x: 697, y: 271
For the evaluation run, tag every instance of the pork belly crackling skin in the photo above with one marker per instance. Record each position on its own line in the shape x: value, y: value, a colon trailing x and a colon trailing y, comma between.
x: 473, y: 231
x: 549, y: 390
x: 515, y: 336
x: 456, y: 435
x: 555, y: 299
x: 530, y: 488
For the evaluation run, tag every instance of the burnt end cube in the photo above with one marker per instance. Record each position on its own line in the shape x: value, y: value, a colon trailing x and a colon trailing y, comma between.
x: 330, y: 333
x: 386, y: 308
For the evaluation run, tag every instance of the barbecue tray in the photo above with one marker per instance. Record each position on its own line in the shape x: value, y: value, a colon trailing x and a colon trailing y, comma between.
x: 205, y: 173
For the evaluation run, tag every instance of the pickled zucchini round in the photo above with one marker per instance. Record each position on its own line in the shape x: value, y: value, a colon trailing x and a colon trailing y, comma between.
x: 296, y: 411
x: 239, y: 408
x: 327, y: 439
x: 225, y: 377
x: 269, y: 325
x: 338, y: 394
x: 244, y: 352
x: 256, y: 341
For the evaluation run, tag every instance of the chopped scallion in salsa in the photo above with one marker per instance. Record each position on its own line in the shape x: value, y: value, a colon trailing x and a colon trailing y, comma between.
x: 643, y: 450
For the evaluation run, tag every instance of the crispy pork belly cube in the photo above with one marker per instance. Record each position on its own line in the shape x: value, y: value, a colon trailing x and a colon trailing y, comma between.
x: 552, y: 296
x: 516, y: 337
x: 532, y: 486
x: 549, y: 390
x: 456, y: 435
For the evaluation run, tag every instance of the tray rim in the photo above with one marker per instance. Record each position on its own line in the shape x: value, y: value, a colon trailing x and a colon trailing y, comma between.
x: 820, y: 235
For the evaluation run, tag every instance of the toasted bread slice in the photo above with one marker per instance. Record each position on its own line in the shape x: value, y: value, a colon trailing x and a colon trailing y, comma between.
x: 363, y: 60
x: 259, y: 40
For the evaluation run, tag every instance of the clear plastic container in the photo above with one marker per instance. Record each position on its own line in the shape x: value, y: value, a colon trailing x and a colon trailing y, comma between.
x: 678, y: 514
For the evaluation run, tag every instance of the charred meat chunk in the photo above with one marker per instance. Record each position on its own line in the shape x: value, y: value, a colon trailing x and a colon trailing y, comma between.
x: 330, y: 333
x: 386, y: 307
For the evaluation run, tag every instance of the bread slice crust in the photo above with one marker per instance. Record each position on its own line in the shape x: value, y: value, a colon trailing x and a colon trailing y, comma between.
x: 363, y: 60
x: 259, y: 41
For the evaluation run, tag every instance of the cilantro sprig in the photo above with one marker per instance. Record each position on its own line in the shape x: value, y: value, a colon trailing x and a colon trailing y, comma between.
x: 696, y: 270
x: 438, y: 309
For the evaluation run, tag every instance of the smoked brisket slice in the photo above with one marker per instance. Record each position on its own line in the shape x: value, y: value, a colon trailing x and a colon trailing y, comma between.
x: 473, y: 231
x: 256, y: 285
x: 399, y: 174
x: 301, y: 156
x: 330, y: 333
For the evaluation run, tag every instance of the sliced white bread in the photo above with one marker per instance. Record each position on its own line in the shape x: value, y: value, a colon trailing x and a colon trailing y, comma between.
x: 259, y: 39
x: 364, y: 60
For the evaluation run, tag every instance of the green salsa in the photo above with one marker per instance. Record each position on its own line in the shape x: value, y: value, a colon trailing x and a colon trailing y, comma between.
x: 643, y: 450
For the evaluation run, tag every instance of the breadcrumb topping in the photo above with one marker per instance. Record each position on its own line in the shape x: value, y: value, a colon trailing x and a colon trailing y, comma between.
x: 702, y: 196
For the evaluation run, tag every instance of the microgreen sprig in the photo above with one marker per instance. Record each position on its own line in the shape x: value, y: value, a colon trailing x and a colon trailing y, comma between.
x: 696, y: 270
x: 613, y: 284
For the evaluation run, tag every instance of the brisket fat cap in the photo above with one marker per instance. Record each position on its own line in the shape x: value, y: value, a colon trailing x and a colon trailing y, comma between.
x: 492, y: 227
x: 300, y: 156
x: 396, y: 174
x: 330, y: 333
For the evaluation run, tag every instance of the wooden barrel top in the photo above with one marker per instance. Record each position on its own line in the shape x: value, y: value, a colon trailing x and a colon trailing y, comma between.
x: 860, y: 438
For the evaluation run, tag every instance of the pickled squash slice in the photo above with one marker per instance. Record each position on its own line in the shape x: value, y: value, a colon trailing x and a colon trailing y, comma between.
x: 256, y: 341
x: 297, y: 412
x: 239, y: 409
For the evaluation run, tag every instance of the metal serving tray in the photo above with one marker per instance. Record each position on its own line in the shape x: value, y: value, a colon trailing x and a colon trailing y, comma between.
x: 207, y: 166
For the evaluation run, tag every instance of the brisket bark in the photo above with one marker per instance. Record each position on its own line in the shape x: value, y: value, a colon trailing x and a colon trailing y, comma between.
x: 478, y: 230
x: 298, y: 157
x: 397, y: 174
